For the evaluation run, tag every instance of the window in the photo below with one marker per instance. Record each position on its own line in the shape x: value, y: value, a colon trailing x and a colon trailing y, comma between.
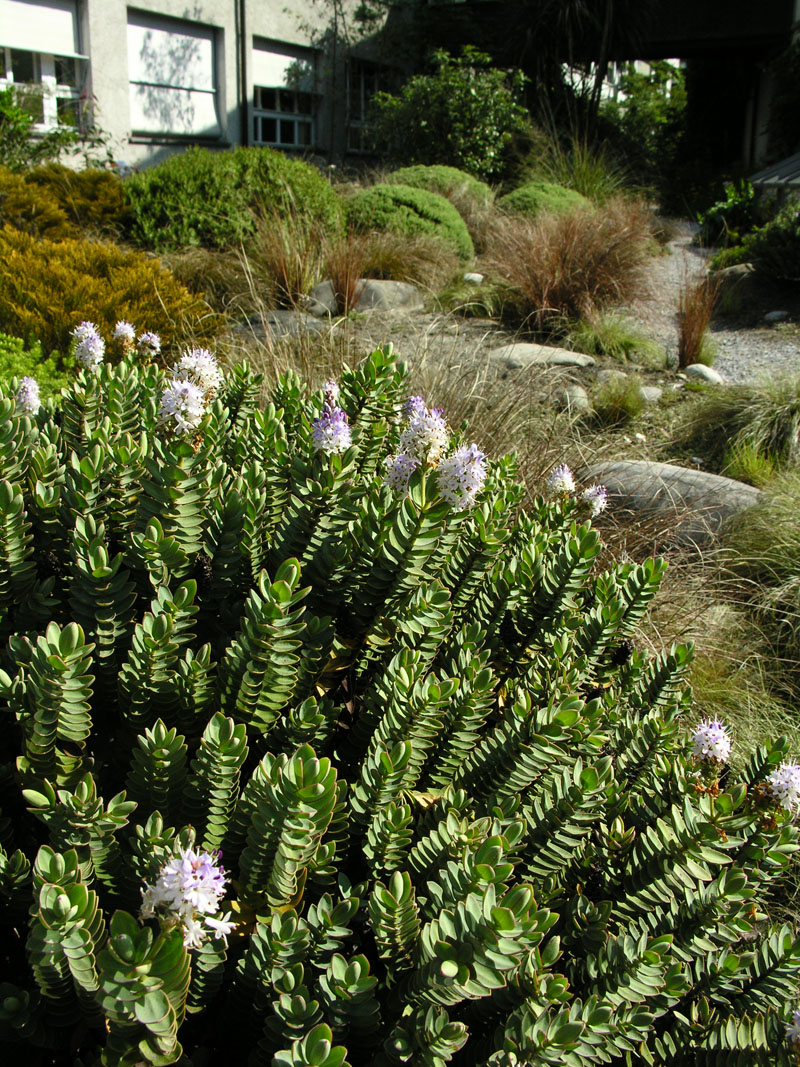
x: 39, y: 56
x: 363, y: 81
x: 173, y: 77
x: 284, y: 100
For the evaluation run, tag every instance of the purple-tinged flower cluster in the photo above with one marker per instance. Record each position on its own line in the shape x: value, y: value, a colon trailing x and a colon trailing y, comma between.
x: 188, y: 892
x: 182, y: 406
x: 561, y: 479
x: 712, y: 741
x: 415, y: 405
x: 793, y: 1028
x: 462, y: 476
x: 89, y: 345
x: 398, y: 471
x: 27, y: 398
x: 330, y: 433
x: 149, y: 345
x: 199, y: 366
x: 124, y: 332
x: 596, y: 496
x: 561, y: 482
x: 426, y: 436
x: 784, y: 784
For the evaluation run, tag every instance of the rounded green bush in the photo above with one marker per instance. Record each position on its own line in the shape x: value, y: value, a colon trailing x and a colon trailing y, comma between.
x: 535, y: 197
x: 443, y: 180
x: 410, y: 212
x: 208, y: 198
x: 774, y: 250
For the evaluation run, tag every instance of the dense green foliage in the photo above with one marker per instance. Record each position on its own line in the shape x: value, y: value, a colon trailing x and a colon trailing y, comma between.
x: 17, y: 361
x: 774, y: 249
x: 45, y: 286
x: 54, y: 201
x: 19, y: 147
x: 466, y: 115
x: 410, y: 212
x: 208, y: 198
x: 457, y: 806
x: 727, y: 221
x: 447, y: 181
x: 535, y: 197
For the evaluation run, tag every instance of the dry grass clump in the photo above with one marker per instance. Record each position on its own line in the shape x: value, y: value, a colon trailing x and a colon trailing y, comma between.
x: 284, y: 258
x: 216, y: 275
x: 570, y: 266
x: 697, y: 299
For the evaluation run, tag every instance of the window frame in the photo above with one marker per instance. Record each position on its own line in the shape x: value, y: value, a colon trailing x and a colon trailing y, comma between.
x: 45, y: 81
x: 150, y: 20
x: 294, y: 116
x: 357, y: 104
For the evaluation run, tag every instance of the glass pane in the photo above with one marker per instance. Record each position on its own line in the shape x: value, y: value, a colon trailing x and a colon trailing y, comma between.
x: 287, y: 101
x: 23, y: 66
x: 269, y: 99
x: 287, y: 132
x: 67, y: 108
x: 30, y: 99
x: 269, y: 131
x: 66, y: 72
x: 304, y: 103
x: 304, y: 133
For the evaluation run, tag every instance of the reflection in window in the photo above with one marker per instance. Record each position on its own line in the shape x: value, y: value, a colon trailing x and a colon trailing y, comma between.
x: 284, y: 101
x: 46, y: 86
x: 363, y: 81
x: 172, y: 72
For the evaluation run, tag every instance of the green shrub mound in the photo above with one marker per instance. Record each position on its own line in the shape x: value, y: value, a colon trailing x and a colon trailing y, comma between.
x: 536, y: 197
x: 208, y: 198
x: 46, y: 285
x: 410, y: 212
x: 774, y: 250
x: 443, y: 180
x: 457, y: 808
x: 17, y: 361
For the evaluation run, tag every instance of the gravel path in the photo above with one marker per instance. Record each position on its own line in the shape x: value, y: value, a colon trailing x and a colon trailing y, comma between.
x: 748, y: 348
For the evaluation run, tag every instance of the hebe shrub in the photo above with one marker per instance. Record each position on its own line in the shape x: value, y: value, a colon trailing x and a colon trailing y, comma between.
x: 458, y: 811
x: 207, y: 198
x: 536, y: 197
x: 410, y: 213
x: 45, y: 285
x: 447, y: 181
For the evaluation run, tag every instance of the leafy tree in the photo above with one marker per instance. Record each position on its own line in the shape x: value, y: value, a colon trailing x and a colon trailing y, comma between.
x: 465, y: 114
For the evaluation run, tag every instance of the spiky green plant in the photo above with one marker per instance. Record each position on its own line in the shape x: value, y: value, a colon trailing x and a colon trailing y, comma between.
x: 459, y: 812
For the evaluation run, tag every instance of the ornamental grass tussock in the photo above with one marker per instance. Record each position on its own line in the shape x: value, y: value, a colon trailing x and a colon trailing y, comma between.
x: 319, y: 750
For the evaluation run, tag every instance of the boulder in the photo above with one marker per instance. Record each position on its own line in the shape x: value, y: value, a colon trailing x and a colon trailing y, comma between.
x: 519, y: 355
x: 374, y: 294
x: 651, y: 394
x: 287, y: 324
x: 776, y: 316
x: 694, y: 503
x: 699, y: 372
x: 572, y: 398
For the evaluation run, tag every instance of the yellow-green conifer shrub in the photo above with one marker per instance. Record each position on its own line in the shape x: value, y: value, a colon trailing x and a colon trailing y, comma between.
x: 31, y: 209
x: 318, y: 751
x: 45, y: 285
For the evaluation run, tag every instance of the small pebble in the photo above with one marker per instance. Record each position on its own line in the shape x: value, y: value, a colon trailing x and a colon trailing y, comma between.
x: 640, y: 437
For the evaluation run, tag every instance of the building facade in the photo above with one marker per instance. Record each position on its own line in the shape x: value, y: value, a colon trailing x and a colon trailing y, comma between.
x: 158, y: 75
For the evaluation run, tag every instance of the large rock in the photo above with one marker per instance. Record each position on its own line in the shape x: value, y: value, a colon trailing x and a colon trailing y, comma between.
x: 521, y: 355
x: 701, y: 373
x: 572, y: 398
x: 695, y: 503
x: 287, y: 324
x: 374, y: 294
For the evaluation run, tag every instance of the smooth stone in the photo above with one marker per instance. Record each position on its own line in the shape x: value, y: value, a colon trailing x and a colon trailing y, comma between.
x: 379, y: 294
x: 386, y: 295
x: 572, y: 398
x: 693, y: 503
x: 776, y: 316
x: 701, y: 373
x: 651, y: 394
x: 608, y: 374
x: 520, y: 354
x: 473, y: 278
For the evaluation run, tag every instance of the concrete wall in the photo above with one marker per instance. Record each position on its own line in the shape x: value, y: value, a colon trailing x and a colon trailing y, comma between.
x: 235, y: 24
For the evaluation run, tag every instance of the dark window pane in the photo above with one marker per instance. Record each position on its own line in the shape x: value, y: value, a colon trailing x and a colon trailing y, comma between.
x: 66, y: 73
x: 287, y: 132
x: 287, y: 101
x: 30, y: 100
x: 269, y: 131
x: 304, y: 133
x: 67, y: 108
x: 269, y: 99
x: 304, y: 103
x: 23, y: 66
